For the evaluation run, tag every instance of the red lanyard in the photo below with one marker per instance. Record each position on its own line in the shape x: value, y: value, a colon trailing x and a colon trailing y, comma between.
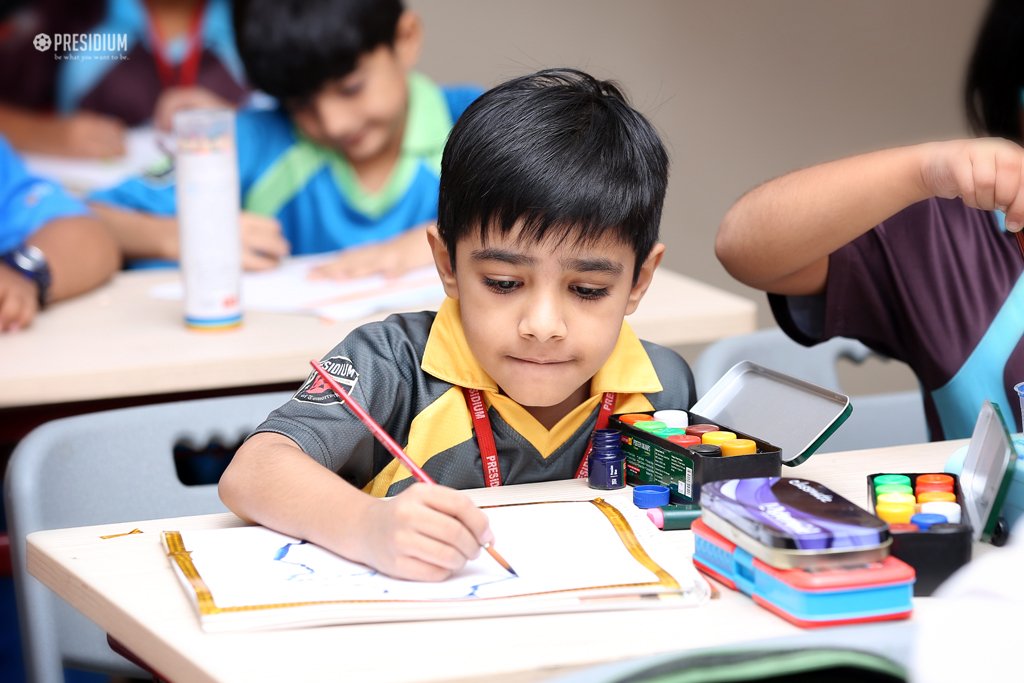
x: 485, y: 435
x: 189, y: 72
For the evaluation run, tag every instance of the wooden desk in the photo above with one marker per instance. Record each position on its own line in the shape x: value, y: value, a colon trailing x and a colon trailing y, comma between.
x: 127, y: 587
x: 119, y: 342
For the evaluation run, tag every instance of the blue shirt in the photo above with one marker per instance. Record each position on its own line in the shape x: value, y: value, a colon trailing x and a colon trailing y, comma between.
x: 28, y: 202
x: 312, y: 191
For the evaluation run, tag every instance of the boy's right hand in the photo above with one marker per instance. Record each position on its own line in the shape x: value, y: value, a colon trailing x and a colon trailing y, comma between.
x: 425, y: 533
x: 263, y: 244
x: 987, y: 174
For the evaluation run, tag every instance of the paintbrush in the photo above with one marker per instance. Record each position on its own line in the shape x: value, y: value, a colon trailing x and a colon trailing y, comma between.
x: 1020, y: 241
x: 393, y: 447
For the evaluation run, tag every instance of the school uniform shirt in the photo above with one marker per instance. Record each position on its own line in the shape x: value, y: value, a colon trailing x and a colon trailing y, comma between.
x: 28, y: 202
x: 939, y: 287
x: 409, y: 372
x: 313, y: 191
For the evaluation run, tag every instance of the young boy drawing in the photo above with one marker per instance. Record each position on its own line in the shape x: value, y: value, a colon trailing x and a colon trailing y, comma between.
x: 551, y: 195
x: 348, y: 162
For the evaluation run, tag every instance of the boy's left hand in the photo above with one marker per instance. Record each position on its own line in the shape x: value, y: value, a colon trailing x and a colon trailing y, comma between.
x: 392, y: 258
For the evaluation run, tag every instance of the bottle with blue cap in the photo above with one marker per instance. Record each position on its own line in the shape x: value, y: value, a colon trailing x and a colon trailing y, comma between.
x: 606, y: 469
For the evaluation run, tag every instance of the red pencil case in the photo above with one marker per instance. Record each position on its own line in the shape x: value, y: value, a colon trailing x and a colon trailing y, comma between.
x: 877, y: 591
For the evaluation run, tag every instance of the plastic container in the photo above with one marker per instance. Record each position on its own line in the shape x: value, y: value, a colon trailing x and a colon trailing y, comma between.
x: 786, y: 418
x: 207, y: 195
x: 792, y: 523
x: 980, y: 490
x: 879, y: 591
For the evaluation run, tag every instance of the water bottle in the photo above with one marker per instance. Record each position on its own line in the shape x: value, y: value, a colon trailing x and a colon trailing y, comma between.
x: 207, y: 193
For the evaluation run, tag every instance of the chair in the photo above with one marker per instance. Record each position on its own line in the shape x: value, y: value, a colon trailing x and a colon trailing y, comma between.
x: 111, y: 466
x: 878, y: 420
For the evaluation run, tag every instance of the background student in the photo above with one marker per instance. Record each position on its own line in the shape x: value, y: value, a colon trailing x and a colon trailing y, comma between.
x: 350, y: 160
x: 51, y: 248
x: 180, y: 54
x: 552, y: 188
x: 910, y: 250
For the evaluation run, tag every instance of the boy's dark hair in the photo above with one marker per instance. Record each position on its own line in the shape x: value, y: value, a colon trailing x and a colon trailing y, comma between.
x: 560, y: 151
x: 290, y: 49
x: 995, y: 76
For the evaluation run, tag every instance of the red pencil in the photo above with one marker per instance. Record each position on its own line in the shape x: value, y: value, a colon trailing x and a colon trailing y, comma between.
x: 393, y: 447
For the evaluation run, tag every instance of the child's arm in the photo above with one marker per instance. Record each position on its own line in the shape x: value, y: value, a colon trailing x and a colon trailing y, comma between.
x: 779, y: 235
x: 391, y: 258
x: 145, y: 235
x: 81, y: 255
x: 83, y: 134
x: 425, y: 533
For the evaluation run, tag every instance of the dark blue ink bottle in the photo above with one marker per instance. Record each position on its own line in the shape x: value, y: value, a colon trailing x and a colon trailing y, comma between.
x: 606, y: 469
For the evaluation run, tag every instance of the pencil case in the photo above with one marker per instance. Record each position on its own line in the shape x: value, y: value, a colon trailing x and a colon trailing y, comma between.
x: 794, y: 523
x: 876, y: 591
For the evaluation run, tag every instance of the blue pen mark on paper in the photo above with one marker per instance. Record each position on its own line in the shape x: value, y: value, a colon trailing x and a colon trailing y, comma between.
x: 282, y: 552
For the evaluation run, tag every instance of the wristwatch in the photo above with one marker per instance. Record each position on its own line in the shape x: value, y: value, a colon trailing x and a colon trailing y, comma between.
x: 31, y: 262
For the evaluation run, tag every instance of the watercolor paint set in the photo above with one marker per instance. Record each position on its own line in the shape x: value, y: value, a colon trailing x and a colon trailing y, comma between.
x: 935, y: 517
x: 802, y: 551
x: 749, y: 424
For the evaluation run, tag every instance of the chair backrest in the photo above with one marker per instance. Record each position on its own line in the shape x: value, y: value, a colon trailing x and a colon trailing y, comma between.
x: 103, y: 467
x: 884, y: 419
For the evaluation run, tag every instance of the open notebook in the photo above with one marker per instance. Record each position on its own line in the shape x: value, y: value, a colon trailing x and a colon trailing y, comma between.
x: 570, y: 556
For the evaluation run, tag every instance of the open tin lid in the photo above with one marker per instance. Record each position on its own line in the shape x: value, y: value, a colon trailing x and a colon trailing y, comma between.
x: 787, y: 412
x: 987, y: 471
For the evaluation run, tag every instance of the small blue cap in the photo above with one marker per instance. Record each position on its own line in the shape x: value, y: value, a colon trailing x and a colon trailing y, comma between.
x: 650, y: 496
x: 925, y: 520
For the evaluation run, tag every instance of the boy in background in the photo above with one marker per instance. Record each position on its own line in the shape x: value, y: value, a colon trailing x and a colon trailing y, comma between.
x: 551, y: 194
x: 348, y: 162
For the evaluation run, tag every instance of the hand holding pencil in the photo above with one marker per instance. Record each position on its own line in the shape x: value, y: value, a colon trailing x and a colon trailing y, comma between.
x: 432, y: 500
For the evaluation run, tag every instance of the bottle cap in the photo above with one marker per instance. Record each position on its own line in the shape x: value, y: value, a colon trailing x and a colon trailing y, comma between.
x: 649, y: 425
x: 633, y: 418
x: 699, y: 429
x: 738, y: 447
x: 717, y: 438
x: 673, y: 418
x: 685, y: 440
x: 706, y: 450
x: 650, y: 496
x: 951, y: 511
x: 891, y: 479
x: 926, y: 520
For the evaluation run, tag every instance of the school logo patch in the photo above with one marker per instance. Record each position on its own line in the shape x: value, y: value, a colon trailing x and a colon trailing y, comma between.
x: 316, y: 390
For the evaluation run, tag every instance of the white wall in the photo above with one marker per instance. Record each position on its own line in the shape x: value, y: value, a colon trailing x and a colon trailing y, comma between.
x: 742, y: 90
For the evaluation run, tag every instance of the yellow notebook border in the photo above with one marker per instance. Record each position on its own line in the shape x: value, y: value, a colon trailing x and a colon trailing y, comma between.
x: 181, y: 557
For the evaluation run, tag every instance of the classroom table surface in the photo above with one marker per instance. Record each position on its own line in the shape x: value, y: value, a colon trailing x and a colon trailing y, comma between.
x: 118, y: 341
x: 128, y: 588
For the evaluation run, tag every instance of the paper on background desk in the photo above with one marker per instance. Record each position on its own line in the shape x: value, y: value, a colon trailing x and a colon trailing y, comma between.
x: 79, y: 176
x: 569, y: 556
x: 288, y: 289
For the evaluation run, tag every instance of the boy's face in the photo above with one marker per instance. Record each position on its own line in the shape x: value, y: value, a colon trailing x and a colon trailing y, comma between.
x: 362, y: 115
x: 542, y: 318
